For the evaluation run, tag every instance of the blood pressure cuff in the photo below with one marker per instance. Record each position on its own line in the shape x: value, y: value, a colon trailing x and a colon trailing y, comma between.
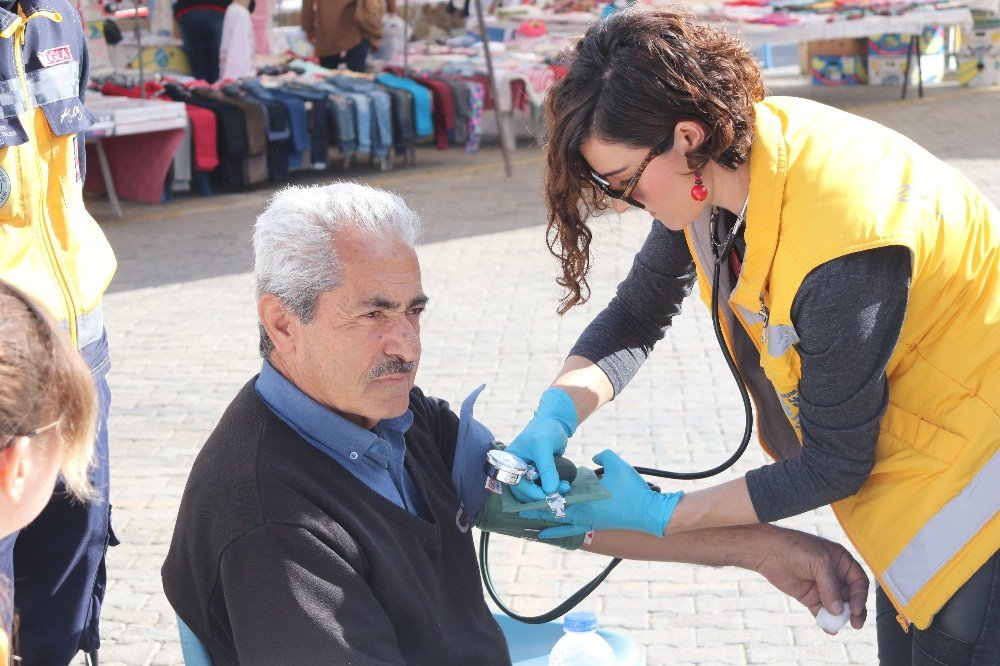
x: 501, y: 513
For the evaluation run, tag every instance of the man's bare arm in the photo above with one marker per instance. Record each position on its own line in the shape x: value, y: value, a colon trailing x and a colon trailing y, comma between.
x: 814, y: 571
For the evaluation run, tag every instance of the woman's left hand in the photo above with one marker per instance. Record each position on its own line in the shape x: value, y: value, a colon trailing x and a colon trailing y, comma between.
x: 632, y: 506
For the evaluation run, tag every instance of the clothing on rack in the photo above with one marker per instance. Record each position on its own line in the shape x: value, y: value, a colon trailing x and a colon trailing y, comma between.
x: 443, y: 109
x: 463, y: 107
x: 324, y: 115
x: 422, y: 99
x: 382, y: 109
x: 477, y: 93
x: 403, y: 130
x: 279, y: 131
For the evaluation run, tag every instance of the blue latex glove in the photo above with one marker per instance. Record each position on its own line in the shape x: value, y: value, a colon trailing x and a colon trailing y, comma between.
x: 633, y: 506
x: 542, y: 439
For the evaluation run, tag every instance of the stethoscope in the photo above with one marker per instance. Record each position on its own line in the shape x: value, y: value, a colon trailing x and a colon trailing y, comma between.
x: 720, y: 255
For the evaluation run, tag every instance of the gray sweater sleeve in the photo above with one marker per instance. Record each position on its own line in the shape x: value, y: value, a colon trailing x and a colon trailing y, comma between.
x: 620, y: 338
x: 848, y: 313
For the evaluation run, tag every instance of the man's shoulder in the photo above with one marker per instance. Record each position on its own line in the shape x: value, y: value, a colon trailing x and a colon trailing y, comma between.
x: 241, y: 426
x: 225, y: 470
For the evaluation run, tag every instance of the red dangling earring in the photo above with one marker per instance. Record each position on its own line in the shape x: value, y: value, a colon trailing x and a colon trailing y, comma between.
x: 699, y: 192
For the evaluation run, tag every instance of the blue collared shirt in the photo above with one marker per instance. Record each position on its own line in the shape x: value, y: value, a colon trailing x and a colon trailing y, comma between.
x: 375, y: 457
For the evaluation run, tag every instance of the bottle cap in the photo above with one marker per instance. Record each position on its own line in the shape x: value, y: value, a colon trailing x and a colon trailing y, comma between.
x: 580, y: 622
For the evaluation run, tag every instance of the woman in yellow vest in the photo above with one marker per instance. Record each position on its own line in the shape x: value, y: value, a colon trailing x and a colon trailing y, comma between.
x: 47, y: 414
x: 863, y: 313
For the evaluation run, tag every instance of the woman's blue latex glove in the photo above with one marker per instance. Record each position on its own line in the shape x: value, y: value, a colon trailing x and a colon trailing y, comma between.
x: 633, y: 506
x: 542, y: 439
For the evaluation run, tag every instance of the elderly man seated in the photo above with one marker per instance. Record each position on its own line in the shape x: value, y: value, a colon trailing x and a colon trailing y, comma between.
x: 319, y: 524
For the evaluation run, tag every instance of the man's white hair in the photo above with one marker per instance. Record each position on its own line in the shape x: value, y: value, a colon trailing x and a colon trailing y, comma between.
x: 294, y: 255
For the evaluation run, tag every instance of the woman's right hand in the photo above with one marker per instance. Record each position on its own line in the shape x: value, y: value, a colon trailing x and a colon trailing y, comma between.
x: 542, y: 439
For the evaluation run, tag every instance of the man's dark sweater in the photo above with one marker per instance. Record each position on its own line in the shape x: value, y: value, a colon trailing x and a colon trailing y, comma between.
x: 281, y: 556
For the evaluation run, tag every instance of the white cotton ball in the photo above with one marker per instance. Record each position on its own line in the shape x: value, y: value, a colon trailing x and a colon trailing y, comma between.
x: 833, y: 623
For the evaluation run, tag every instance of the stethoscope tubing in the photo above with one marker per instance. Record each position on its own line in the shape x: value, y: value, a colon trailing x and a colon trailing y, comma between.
x: 720, y: 256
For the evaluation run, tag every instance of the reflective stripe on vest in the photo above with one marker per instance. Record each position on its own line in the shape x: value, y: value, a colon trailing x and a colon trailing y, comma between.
x: 11, y: 103
x: 946, y: 533
x: 55, y: 83
x: 89, y: 326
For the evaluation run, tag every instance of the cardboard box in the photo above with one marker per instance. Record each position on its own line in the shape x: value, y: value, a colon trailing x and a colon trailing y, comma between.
x: 933, y: 40
x: 890, y: 71
x: 981, y: 40
x: 979, y: 71
x: 837, y: 47
x: 830, y: 47
x: 832, y: 70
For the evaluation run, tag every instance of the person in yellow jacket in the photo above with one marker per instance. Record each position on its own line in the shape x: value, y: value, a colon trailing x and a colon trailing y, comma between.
x: 51, y: 248
x: 860, y: 301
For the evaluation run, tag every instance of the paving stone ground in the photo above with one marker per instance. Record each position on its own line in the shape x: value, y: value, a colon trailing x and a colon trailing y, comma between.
x: 180, y: 315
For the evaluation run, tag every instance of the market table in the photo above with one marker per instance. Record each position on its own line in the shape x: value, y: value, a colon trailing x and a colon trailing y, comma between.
x: 146, y: 135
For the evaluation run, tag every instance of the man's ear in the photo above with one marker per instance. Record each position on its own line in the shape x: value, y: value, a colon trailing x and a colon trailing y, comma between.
x: 689, y: 135
x: 15, y: 469
x: 280, y: 324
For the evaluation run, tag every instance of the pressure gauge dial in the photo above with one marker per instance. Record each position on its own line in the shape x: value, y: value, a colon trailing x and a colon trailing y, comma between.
x: 504, y: 467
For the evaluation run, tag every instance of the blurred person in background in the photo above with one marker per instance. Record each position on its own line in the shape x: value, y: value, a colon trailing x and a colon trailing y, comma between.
x: 47, y: 415
x: 344, y: 30
x: 200, y: 24
x: 237, y: 47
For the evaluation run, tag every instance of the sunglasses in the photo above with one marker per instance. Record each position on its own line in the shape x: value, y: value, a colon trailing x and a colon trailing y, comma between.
x: 31, y: 433
x: 625, y: 194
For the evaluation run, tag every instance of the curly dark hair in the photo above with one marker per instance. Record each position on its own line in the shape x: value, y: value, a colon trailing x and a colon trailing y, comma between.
x: 631, y: 79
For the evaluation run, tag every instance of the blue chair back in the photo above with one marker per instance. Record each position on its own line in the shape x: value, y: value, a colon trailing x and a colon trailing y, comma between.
x: 194, y: 652
x: 530, y: 644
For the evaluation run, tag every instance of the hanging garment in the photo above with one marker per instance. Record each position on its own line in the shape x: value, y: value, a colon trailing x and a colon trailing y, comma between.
x: 279, y: 131
x: 298, y: 118
x: 444, y: 109
x: 422, y: 101
x: 476, y: 96
x: 319, y: 120
x: 203, y: 138
x: 403, y: 130
x: 460, y: 94
x: 254, y: 125
x: 230, y: 132
x: 363, y: 120
x: 382, y: 139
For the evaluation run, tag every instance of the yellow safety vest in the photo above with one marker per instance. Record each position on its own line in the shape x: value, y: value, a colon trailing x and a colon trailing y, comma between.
x: 824, y: 184
x: 50, y: 246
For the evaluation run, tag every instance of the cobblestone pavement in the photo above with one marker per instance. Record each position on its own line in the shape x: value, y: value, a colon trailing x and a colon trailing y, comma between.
x: 181, y: 320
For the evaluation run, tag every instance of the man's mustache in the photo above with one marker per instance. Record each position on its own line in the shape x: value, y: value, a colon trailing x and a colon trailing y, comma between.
x: 394, y: 367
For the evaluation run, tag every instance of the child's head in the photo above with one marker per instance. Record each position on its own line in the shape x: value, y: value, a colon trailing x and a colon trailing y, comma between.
x: 47, y: 411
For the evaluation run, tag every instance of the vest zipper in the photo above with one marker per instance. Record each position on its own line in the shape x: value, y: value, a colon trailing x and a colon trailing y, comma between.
x: 45, y: 227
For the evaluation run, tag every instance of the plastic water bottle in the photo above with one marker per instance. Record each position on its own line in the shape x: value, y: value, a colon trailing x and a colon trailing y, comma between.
x: 581, y: 645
